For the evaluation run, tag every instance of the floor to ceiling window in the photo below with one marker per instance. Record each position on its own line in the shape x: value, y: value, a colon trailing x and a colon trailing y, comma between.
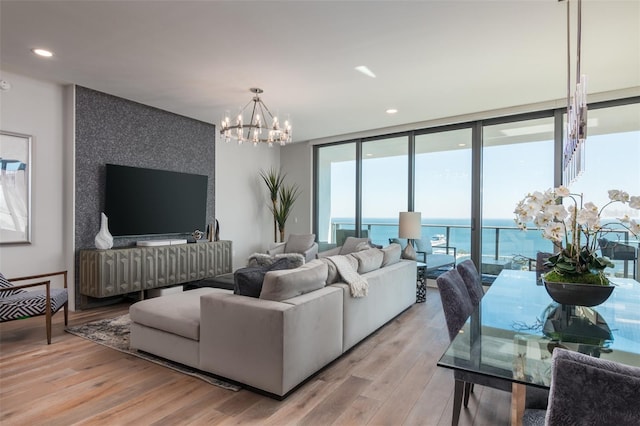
x: 517, y: 159
x: 335, y: 192
x: 476, y: 172
x: 385, y: 179
x: 443, y: 189
x: 612, y: 161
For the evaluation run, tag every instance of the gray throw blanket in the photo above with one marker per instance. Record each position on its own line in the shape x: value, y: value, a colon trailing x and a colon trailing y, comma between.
x: 357, y: 283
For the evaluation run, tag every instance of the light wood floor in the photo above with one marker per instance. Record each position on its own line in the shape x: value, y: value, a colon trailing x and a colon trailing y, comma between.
x: 390, y: 378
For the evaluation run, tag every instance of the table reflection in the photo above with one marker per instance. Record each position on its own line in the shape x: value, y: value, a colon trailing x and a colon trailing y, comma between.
x: 577, y: 328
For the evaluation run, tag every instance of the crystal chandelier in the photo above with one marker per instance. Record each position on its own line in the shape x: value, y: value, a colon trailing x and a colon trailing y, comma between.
x: 256, y: 130
x: 573, y: 161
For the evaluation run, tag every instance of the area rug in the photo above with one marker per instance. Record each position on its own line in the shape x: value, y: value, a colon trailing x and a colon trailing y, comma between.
x: 114, y: 333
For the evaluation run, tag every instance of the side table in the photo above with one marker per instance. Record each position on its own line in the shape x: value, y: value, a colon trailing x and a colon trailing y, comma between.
x: 421, y: 283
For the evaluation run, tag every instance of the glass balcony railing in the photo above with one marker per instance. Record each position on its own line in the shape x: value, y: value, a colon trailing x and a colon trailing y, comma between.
x: 503, y: 246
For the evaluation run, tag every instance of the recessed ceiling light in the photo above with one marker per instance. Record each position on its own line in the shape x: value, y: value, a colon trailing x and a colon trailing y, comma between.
x: 462, y: 144
x: 366, y: 71
x: 42, y: 52
x: 392, y: 111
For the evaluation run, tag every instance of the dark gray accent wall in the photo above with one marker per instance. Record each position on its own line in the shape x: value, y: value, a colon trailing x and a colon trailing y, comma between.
x: 113, y: 130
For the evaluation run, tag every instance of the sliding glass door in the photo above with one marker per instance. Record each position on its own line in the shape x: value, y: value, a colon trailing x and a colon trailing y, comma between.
x: 443, y: 189
x: 612, y: 162
x: 385, y: 179
x: 335, y: 193
x: 517, y: 158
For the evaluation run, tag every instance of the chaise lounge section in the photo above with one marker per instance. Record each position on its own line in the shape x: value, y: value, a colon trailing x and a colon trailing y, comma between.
x: 275, y: 342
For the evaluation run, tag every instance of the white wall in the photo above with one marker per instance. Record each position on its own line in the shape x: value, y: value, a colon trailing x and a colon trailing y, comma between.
x: 242, y: 199
x: 296, y: 162
x: 36, y: 108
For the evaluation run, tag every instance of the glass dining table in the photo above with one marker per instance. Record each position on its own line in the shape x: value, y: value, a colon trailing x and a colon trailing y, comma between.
x: 514, y: 330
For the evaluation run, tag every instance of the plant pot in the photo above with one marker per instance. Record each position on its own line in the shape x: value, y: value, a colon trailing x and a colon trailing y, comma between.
x: 578, y: 294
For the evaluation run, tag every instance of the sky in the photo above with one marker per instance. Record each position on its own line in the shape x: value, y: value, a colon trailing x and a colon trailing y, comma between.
x: 443, y: 179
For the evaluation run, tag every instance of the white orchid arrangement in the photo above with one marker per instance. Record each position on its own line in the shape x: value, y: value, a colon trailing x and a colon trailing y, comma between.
x: 574, y: 230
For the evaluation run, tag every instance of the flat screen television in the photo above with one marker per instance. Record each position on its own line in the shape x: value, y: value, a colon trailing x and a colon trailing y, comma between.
x: 143, y: 201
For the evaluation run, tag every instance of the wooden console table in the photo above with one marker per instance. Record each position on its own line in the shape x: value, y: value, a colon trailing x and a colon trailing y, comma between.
x: 105, y: 273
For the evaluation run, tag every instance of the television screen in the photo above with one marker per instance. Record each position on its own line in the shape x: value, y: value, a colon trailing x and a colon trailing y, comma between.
x: 146, y: 201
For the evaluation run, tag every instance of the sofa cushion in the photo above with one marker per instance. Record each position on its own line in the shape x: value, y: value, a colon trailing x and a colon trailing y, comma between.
x: 368, y: 260
x: 391, y: 254
x: 351, y: 243
x: 282, y: 285
x: 178, y: 313
x: 299, y: 243
x: 248, y: 281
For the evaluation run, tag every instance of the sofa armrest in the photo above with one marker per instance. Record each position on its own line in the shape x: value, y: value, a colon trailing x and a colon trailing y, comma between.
x: 278, y: 248
x: 311, y: 252
x: 272, y: 346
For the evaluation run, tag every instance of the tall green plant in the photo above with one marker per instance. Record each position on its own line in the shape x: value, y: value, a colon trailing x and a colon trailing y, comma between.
x: 273, y: 178
x: 287, y: 197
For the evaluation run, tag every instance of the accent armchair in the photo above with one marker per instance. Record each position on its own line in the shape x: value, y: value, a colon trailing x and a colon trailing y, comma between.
x: 17, y: 303
x: 618, y: 251
x: 426, y: 255
x: 297, y: 243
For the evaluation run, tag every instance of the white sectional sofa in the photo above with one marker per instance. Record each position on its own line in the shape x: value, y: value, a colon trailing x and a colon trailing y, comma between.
x: 272, y: 345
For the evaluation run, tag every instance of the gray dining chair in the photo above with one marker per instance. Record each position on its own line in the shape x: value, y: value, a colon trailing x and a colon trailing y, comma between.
x: 457, y: 307
x: 472, y: 280
x: 589, y: 391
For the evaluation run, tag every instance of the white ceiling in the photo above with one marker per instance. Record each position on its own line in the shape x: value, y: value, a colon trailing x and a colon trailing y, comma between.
x: 432, y: 59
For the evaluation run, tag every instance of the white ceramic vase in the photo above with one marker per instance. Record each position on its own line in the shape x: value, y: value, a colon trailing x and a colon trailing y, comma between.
x: 104, y: 239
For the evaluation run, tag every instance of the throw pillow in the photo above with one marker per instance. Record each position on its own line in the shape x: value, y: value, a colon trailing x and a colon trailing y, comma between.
x: 295, y: 260
x: 248, y: 281
x: 283, y: 285
x: 333, y: 276
x: 401, y: 241
x: 259, y: 259
x: 391, y: 254
x: 4, y: 283
x: 332, y: 272
x: 362, y: 246
x: 368, y: 260
x: 351, y: 243
x: 299, y: 243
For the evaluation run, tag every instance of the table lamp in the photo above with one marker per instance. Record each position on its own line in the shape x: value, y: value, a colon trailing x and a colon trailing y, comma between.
x: 411, y: 229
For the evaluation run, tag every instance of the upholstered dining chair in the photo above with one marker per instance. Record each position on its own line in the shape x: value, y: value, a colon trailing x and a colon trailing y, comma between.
x: 472, y: 280
x: 589, y: 391
x: 18, y: 303
x: 457, y: 307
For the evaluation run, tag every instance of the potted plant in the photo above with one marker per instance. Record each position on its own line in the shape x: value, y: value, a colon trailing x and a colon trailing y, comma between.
x: 282, y: 199
x: 287, y: 195
x: 574, y: 229
x: 273, y: 179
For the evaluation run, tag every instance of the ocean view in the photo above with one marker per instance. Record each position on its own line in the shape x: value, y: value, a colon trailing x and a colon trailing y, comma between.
x: 511, y: 240
x: 501, y: 238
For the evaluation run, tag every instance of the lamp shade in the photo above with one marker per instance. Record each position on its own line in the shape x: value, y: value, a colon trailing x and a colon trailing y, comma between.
x: 410, y: 226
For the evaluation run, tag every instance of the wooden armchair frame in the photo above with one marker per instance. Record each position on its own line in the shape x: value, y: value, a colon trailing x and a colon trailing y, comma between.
x: 47, y: 283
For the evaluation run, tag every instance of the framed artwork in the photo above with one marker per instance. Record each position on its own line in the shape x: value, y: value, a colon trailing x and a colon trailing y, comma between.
x: 15, y: 188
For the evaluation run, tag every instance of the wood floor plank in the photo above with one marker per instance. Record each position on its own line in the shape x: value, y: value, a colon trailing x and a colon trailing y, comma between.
x: 334, y: 404
x: 359, y: 412
x: 390, y: 378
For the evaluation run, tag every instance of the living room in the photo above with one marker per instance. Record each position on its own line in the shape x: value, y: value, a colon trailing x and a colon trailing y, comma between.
x: 44, y: 107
